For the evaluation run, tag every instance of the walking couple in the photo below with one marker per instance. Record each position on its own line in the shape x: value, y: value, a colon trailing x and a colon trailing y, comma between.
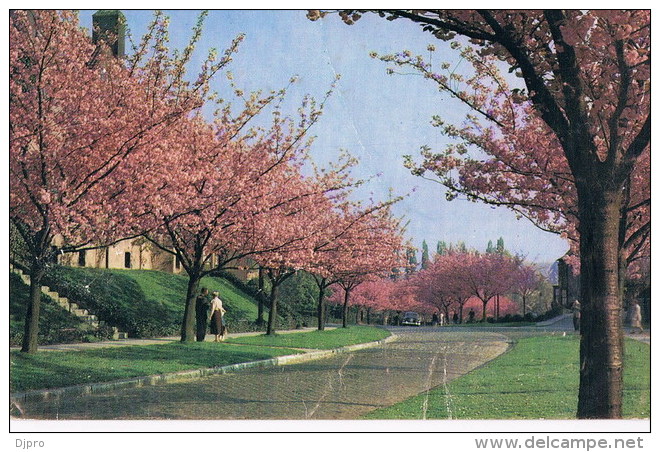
x: 212, y: 311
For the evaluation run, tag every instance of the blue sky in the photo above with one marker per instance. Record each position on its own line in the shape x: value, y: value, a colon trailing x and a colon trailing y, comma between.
x: 375, y: 116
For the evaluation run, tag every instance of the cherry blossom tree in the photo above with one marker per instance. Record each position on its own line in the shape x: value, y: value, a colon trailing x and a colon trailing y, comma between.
x: 327, y: 249
x: 587, y: 90
x: 430, y: 290
x: 243, y: 195
x: 334, y: 248
x: 440, y: 286
x: 371, y: 248
x: 82, y: 127
x: 506, y: 307
x: 202, y: 212
x: 486, y: 276
x: 455, y: 279
x: 289, y: 235
x: 385, y: 295
x: 527, y: 170
x: 377, y: 295
x: 527, y: 281
x: 447, y: 267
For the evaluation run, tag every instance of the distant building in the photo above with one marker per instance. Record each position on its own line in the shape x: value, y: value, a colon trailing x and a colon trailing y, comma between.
x: 141, y: 254
x: 127, y: 254
x: 109, y: 26
x: 637, y: 288
x: 244, y: 268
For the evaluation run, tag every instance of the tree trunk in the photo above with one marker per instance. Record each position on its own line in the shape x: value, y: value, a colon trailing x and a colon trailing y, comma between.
x: 272, y: 314
x: 601, y: 346
x: 320, y: 308
x: 483, y: 311
x: 276, y: 277
x: 188, y: 327
x: 260, y: 298
x: 524, y: 306
x: 31, y: 330
x: 344, y: 321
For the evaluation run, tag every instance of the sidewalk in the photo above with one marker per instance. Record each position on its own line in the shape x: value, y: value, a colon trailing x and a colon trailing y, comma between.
x: 645, y: 336
x: 157, y: 340
x: 552, y: 321
x: 566, y: 321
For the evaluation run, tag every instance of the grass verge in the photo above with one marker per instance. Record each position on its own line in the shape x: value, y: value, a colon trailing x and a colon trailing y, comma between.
x: 50, y: 369
x: 327, y: 339
x: 537, y: 379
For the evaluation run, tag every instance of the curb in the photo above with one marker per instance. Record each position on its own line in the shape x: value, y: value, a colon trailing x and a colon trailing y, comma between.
x: 43, y: 395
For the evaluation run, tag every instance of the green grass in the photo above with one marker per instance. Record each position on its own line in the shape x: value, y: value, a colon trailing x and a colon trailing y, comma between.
x: 170, y: 290
x: 145, y: 303
x: 50, y: 311
x: 537, y: 379
x: 55, y: 324
x: 58, y: 369
x: 637, y: 380
x: 50, y: 369
x: 327, y: 339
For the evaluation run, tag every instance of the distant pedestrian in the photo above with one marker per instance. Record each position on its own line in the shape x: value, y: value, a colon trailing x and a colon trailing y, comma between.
x: 217, y: 318
x: 471, y: 315
x: 577, y: 314
x: 455, y: 318
x: 434, y: 320
x: 202, y: 305
x: 636, y: 318
x: 442, y: 319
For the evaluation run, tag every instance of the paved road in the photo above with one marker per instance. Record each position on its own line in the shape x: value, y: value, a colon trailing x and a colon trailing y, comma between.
x: 342, y: 387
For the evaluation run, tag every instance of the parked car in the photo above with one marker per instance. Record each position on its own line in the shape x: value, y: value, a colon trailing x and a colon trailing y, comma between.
x: 411, y: 319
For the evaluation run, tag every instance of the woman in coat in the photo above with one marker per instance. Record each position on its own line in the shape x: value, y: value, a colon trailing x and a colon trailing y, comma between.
x: 577, y: 314
x: 636, y: 318
x: 217, y: 322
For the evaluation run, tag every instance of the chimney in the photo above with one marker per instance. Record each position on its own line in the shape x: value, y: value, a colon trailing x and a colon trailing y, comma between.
x: 110, y: 26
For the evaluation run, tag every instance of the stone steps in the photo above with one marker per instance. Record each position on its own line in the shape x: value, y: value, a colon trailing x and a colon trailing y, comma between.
x: 73, y: 308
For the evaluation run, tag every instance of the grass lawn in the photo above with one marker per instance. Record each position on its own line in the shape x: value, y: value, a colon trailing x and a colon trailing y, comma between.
x: 327, y: 339
x: 537, y: 379
x: 50, y: 369
x: 53, y: 319
x: 170, y: 290
x: 144, y: 303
